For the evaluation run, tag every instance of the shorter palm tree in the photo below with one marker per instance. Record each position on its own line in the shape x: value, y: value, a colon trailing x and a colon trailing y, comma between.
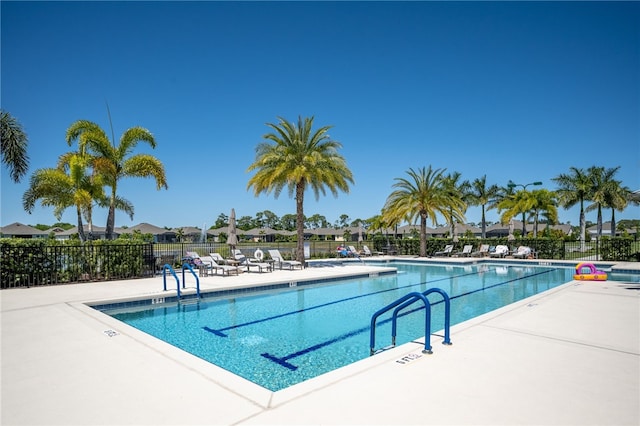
x: 68, y: 185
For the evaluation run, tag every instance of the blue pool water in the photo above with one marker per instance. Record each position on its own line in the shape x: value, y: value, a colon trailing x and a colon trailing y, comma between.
x: 279, y: 338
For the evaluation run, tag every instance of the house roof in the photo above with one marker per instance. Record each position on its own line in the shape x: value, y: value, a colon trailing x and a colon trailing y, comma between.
x: 18, y: 228
x: 147, y: 228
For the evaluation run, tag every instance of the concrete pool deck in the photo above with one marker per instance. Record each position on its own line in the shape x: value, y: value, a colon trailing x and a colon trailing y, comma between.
x: 568, y: 356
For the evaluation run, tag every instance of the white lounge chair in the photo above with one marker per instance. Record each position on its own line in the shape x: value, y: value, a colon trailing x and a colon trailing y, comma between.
x: 353, y: 252
x: 522, y: 252
x: 482, y: 251
x: 446, y: 252
x: 466, y: 250
x: 279, y: 260
x: 367, y: 251
x: 500, y: 251
x: 249, y: 263
x: 212, y: 265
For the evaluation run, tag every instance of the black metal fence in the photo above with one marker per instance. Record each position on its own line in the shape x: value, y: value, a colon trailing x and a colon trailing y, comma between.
x: 26, y: 263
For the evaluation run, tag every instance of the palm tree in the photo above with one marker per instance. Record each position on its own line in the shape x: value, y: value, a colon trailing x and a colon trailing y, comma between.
x: 297, y: 157
x: 574, y: 188
x: 601, y: 181
x: 456, y: 189
x: 520, y: 202
x: 66, y: 186
x: 544, y: 202
x: 480, y: 195
x: 13, y: 141
x: 618, y: 197
x: 422, y: 195
x: 117, y: 162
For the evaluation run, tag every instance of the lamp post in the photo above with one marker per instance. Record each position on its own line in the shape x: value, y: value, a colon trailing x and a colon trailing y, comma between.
x: 511, y: 184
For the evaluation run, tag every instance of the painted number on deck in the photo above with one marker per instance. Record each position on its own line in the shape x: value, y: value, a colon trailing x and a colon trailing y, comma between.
x: 408, y: 358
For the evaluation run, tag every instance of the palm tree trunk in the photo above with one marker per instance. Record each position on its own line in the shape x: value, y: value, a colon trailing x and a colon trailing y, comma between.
x: 300, y: 221
x: 111, y: 216
x: 583, y: 228
x: 423, y: 235
x: 484, y: 224
x: 80, y: 226
x: 613, y: 222
x: 599, y: 222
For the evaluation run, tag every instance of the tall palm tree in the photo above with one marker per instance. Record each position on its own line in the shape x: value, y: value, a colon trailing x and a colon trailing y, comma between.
x: 601, y: 181
x: 68, y: 185
x: 456, y: 189
x: 422, y: 195
x: 297, y: 157
x: 574, y: 188
x: 481, y: 195
x: 13, y: 144
x: 618, y: 197
x: 115, y: 162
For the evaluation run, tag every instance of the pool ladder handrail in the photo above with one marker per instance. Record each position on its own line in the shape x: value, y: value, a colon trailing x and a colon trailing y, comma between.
x: 164, y: 278
x: 411, y: 298
x: 406, y: 301
x: 184, y: 266
x: 188, y: 266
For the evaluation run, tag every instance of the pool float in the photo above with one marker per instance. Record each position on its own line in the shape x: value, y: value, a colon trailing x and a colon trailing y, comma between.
x: 593, y: 274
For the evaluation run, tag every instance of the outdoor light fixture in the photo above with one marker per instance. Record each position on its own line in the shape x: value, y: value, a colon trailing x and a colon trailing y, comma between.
x: 511, y: 184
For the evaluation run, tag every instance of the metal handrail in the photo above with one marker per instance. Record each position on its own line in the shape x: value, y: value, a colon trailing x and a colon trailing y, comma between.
x: 164, y: 277
x: 410, y: 298
x: 187, y: 265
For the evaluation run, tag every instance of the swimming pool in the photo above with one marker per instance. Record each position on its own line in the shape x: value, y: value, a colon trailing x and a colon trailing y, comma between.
x: 278, y: 338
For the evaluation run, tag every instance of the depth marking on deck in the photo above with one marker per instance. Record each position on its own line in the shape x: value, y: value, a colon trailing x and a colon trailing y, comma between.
x: 408, y: 358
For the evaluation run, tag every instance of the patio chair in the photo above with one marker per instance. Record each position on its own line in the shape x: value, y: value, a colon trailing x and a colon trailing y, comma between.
x: 500, y: 251
x: 367, y: 251
x: 482, y: 251
x: 353, y: 252
x: 466, y: 251
x: 279, y: 260
x: 448, y: 249
x: 522, y: 252
x: 250, y: 263
x: 212, y: 265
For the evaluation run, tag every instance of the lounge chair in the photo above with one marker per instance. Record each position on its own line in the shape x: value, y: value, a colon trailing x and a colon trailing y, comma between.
x: 218, y: 258
x: 368, y: 252
x: 466, y: 251
x: 448, y: 249
x: 522, y: 252
x: 250, y: 263
x: 500, y: 251
x: 353, y: 252
x: 279, y: 260
x: 212, y: 265
x: 482, y: 251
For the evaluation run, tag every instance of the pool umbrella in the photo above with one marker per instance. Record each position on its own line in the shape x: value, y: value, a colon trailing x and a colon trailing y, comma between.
x: 232, y: 239
x: 360, y: 239
x: 511, y: 237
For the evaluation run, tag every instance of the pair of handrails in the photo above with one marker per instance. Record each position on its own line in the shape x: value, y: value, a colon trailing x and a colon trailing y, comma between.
x: 406, y: 301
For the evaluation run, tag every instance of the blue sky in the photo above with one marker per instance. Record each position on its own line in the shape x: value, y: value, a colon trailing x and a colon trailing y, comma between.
x: 510, y: 90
